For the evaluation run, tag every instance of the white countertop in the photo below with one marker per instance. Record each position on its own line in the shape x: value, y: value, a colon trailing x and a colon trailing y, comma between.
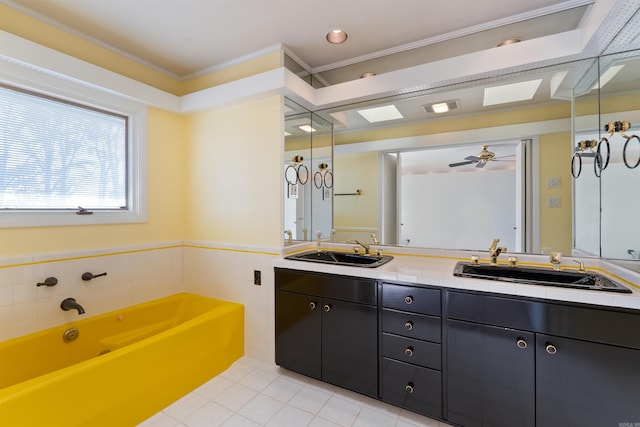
x: 435, y: 267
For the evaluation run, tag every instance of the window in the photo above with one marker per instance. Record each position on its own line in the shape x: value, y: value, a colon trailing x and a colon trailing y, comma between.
x: 60, y: 155
x: 70, y: 158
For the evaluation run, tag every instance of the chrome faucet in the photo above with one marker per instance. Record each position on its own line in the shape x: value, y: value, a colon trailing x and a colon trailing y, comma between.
x: 495, y: 251
x: 71, y: 304
x: 367, y: 248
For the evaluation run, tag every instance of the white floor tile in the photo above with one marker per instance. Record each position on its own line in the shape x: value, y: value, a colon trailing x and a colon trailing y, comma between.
x: 369, y: 417
x: 261, y: 409
x: 282, y: 389
x: 258, y: 379
x: 184, y: 407
x: 290, y: 417
x: 340, y: 410
x: 310, y: 399
x: 252, y: 393
x: 322, y: 422
x: 235, y: 397
x: 210, y: 415
x: 240, y: 421
x: 214, y: 387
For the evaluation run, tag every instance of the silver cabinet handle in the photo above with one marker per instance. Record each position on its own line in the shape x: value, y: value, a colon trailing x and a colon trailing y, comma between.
x: 409, y: 325
x: 327, y: 307
x: 408, y: 299
x: 408, y: 351
x: 313, y: 305
x: 409, y: 388
x: 521, y: 343
x: 550, y: 348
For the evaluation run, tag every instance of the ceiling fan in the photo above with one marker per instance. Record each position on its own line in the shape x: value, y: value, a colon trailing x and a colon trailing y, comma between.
x: 481, y: 159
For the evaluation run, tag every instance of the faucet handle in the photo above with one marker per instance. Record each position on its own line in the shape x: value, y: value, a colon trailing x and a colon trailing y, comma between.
x: 581, y: 268
x: 556, y: 259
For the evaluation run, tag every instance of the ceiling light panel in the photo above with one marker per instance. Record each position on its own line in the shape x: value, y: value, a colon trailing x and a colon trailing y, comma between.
x: 513, y: 92
x: 306, y: 128
x: 381, y: 114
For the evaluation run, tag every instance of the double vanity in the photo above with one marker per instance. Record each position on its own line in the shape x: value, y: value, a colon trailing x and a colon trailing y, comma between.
x: 481, y: 347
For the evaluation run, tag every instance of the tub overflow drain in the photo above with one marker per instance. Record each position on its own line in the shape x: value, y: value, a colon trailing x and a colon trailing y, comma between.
x: 70, y: 335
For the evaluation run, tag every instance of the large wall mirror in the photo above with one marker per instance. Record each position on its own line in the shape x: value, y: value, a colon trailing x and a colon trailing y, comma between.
x: 307, y: 174
x: 458, y: 166
x: 492, y: 166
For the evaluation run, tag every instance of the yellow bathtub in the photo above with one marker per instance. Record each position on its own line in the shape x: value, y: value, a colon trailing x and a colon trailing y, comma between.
x: 123, y: 367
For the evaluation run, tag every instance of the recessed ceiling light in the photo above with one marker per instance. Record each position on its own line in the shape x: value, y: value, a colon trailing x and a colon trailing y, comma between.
x: 509, y: 41
x: 367, y: 74
x: 287, y: 133
x: 442, y: 106
x: 381, y: 114
x: 336, y: 36
x: 306, y: 128
x: 510, y: 93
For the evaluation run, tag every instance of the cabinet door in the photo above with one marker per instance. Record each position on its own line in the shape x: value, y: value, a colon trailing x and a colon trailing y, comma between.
x: 350, y: 346
x: 490, y: 376
x: 298, y: 337
x: 586, y: 384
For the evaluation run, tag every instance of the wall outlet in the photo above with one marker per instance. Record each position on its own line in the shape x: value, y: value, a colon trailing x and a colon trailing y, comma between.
x: 553, y: 202
x: 553, y: 182
x: 257, y: 277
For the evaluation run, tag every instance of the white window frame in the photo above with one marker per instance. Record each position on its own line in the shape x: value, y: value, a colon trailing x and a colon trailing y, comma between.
x: 55, y: 85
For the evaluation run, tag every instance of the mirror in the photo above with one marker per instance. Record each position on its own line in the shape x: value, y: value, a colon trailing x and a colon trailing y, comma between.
x: 427, y: 179
x: 615, y: 232
x: 307, y: 174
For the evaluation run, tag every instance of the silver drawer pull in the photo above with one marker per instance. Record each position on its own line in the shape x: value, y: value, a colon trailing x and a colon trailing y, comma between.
x: 521, y: 343
x: 409, y: 388
x: 327, y: 307
x: 312, y: 305
x: 409, y: 325
x: 408, y: 299
x: 550, y: 348
x: 408, y: 351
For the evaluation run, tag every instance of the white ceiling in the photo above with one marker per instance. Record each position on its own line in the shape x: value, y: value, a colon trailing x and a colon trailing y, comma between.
x: 185, y: 37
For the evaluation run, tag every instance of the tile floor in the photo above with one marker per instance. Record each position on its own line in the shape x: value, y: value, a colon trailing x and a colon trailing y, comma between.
x: 251, y: 394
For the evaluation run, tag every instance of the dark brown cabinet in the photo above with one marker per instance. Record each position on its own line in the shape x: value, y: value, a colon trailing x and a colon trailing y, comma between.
x: 524, y: 362
x: 327, y: 328
x: 410, y: 371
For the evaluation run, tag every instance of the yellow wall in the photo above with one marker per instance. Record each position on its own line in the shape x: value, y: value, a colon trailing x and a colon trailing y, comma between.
x: 166, y: 137
x: 555, y: 223
x: 356, y: 171
x: 233, y: 188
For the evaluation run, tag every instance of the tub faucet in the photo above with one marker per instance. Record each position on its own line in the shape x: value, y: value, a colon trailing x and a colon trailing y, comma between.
x: 495, y: 251
x: 71, y: 304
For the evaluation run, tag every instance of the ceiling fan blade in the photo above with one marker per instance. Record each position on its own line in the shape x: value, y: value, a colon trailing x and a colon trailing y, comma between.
x: 453, y: 165
x: 473, y: 158
x: 481, y: 164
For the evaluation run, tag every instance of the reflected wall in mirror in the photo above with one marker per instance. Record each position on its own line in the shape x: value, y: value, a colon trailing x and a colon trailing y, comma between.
x: 307, y: 174
x: 606, y: 206
x: 411, y: 196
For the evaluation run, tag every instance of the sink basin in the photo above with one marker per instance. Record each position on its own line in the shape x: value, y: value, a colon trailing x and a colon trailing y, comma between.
x: 538, y: 276
x: 342, y: 258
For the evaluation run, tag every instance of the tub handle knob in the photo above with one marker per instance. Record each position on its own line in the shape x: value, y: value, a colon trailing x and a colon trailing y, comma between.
x: 88, y: 276
x: 49, y: 281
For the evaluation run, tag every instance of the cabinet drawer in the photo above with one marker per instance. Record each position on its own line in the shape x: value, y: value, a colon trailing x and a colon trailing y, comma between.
x: 410, y: 298
x: 411, y: 325
x: 423, y: 353
x: 344, y: 288
x: 412, y: 387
